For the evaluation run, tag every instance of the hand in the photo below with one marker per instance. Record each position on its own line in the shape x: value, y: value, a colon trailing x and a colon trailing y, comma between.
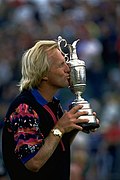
x: 71, y: 119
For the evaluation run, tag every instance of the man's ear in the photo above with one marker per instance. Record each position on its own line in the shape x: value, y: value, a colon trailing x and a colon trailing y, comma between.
x: 45, y: 78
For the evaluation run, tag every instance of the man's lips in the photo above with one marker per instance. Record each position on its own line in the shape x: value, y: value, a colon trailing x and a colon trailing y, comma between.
x: 68, y: 78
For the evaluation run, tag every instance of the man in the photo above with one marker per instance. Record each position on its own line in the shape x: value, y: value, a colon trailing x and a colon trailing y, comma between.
x: 37, y: 133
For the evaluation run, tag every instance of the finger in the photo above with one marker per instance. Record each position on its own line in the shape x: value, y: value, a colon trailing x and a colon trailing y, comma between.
x: 97, y: 120
x: 81, y: 120
x: 80, y: 113
x: 76, y: 108
x: 94, y: 113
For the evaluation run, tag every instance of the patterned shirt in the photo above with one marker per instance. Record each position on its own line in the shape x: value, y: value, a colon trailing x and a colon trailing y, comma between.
x: 28, y: 122
x: 24, y: 123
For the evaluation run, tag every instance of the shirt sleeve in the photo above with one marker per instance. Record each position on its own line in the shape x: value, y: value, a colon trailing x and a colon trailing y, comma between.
x: 27, y: 136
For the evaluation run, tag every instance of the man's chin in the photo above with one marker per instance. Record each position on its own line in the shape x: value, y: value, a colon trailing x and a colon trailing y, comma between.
x: 65, y: 86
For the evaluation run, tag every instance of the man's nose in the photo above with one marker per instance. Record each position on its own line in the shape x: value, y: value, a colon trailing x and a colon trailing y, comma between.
x: 67, y: 68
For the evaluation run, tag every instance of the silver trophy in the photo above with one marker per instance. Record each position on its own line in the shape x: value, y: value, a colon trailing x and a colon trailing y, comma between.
x: 78, y: 83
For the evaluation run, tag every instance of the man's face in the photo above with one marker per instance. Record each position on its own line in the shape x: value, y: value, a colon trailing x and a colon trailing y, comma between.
x: 58, y: 75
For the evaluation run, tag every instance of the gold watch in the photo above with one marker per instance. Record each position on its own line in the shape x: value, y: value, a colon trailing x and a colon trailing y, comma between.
x: 57, y: 132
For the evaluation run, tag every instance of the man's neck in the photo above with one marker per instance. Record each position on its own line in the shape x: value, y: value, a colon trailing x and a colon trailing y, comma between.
x: 47, y: 93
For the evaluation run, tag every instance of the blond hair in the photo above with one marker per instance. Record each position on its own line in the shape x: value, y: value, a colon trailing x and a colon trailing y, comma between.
x: 35, y: 64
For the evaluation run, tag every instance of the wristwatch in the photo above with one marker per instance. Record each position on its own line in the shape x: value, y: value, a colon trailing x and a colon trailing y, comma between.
x: 57, y: 132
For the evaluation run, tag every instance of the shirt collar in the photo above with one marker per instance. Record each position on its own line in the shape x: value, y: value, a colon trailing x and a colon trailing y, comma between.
x: 40, y: 99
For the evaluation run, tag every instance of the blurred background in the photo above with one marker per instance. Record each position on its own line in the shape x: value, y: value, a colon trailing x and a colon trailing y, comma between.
x: 94, y: 156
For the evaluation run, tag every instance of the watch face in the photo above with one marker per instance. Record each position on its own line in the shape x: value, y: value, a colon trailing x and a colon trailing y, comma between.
x: 57, y: 132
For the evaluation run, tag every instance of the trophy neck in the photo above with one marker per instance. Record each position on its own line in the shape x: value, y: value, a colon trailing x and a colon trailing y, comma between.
x: 78, y: 96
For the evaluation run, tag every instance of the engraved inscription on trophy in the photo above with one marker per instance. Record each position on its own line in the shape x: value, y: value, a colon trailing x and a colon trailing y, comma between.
x: 78, y: 83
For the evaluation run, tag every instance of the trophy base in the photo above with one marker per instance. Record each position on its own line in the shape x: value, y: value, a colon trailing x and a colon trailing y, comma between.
x: 92, y: 124
x: 87, y: 127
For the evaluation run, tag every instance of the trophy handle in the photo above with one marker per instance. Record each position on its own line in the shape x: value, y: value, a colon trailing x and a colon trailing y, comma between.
x: 60, y: 40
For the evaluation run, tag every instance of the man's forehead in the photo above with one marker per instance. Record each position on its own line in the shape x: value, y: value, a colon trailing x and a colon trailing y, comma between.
x: 56, y: 58
x: 54, y: 53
